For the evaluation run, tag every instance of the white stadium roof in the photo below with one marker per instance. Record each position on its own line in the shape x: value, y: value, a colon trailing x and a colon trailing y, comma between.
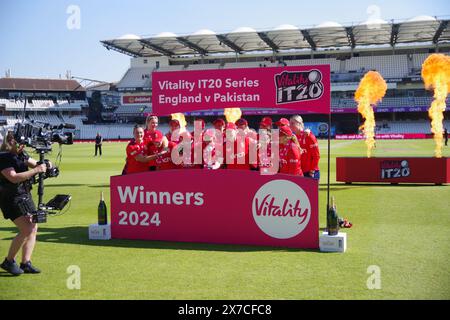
x: 420, y: 29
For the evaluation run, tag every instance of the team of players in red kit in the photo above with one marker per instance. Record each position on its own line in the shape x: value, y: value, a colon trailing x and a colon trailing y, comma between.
x: 227, y: 145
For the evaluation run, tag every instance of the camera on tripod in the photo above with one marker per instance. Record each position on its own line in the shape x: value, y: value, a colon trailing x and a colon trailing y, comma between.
x: 40, y: 136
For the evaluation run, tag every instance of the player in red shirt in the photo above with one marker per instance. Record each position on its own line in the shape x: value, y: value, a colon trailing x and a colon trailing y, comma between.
x: 282, y: 122
x: 308, y: 142
x: 264, y: 139
x: 242, y: 124
x: 219, y: 124
x: 152, y: 136
x: 164, y: 159
x: 151, y: 131
x: 266, y: 123
x: 137, y: 159
x: 236, y: 148
x: 200, y: 128
x: 212, y: 159
x: 290, y: 154
x: 173, y: 126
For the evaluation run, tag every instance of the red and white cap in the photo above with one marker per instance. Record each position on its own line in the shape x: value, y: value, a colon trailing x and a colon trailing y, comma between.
x: 266, y: 123
x: 285, y: 130
x: 282, y: 122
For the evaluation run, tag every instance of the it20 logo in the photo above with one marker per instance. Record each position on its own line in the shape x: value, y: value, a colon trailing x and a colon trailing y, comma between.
x: 395, y: 169
x: 298, y: 86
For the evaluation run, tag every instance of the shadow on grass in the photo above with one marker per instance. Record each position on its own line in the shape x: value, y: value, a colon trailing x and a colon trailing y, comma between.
x: 345, y: 186
x: 79, y: 236
x: 77, y: 185
x: 99, y: 186
x: 65, y: 185
x: 4, y: 274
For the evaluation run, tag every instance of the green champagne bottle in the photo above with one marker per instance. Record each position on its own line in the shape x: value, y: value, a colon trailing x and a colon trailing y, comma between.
x: 102, y: 212
x: 332, y: 219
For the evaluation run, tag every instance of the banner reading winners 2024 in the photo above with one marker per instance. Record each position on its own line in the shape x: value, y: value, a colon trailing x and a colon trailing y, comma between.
x: 305, y: 89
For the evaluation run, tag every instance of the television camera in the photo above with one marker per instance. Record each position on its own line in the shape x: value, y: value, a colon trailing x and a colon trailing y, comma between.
x: 40, y: 136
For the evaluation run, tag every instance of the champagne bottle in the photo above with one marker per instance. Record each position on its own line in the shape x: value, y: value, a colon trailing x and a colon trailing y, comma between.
x: 332, y: 219
x: 102, y: 212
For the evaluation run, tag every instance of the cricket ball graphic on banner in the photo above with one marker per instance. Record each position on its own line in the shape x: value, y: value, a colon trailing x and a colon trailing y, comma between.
x: 281, y: 209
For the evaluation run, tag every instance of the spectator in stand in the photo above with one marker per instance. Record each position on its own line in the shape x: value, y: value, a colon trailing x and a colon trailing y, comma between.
x: 290, y: 153
x: 98, y: 144
x: 308, y: 142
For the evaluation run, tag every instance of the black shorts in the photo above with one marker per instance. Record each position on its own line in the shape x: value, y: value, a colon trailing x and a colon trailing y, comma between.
x: 17, y: 206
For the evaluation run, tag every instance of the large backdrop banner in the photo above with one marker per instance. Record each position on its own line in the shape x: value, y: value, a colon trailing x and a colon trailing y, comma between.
x: 302, y: 88
x: 216, y: 206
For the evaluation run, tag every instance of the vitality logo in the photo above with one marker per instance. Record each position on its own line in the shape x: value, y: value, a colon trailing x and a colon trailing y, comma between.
x: 281, y: 209
x: 395, y: 169
x: 298, y: 86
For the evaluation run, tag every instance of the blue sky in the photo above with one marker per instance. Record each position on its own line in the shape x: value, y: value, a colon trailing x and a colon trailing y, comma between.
x: 36, y: 42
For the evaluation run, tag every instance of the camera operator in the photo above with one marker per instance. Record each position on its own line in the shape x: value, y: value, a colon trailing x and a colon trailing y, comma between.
x: 16, y: 202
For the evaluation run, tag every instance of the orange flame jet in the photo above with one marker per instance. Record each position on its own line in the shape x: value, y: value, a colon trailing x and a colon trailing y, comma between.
x: 436, y: 75
x: 371, y: 90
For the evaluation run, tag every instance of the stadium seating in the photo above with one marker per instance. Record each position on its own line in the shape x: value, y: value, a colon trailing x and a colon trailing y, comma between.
x: 76, y: 120
x: 422, y: 126
x: 52, y: 119
x: 254, y: 64
x: 170, y: 68
x: 418, y: 59
x: 334, y: 64
x: 136, y: 78
x: 12, y: 105
x: 388, y: 66
x: 210, y: 66
x: 131, y: 109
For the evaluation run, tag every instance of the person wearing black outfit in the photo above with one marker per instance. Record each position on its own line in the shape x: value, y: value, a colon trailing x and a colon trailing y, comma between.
x: 98, y: 144
x: 446, y: 136
x: 16, y: 202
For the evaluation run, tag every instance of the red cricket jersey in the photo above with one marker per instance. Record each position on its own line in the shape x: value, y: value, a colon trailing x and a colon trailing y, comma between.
x: 191, y: 164
x: 242, y: 153
x: 133, y: 150
x: 290, y: 159
x: 164, y: 162
x: 310, y: 158
x: 265, y: 158
x: 149, y: 137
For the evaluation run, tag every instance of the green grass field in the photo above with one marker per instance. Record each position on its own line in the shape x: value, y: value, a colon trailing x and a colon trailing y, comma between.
x: 404, y: 230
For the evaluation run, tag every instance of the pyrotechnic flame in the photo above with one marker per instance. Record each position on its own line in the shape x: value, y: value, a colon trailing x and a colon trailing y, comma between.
x: 181, y: 119
x: 232, y: 114
x: 436, y: 75
x: 371, y: 90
